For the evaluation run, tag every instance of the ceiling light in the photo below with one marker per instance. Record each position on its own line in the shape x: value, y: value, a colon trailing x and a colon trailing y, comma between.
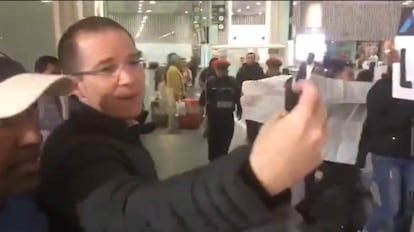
x: 145, y: 16
x: 247, y: 7
x: 258, y: 3
x: 201, y: 10
x: 140, y: 11
x: 295, y: 3
x: 186, y: 12
x: 44, y: 1
x: 239, y: 10
x: 200, y: 2
x: 204, y: 18
x: 148, y: 11
x: 141, y: 1
x: 260, y: 13
x: 152, y: 2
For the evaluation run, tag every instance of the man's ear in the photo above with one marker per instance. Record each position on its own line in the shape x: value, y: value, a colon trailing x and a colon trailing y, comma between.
x: 78, y: 89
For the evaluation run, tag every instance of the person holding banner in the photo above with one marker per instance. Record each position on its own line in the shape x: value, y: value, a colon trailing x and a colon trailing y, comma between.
x: 389, y: 141
x: 250, y: 70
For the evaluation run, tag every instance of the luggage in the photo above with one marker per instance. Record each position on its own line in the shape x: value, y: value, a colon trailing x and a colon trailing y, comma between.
x: 158, y: 114
x: 193, y: 117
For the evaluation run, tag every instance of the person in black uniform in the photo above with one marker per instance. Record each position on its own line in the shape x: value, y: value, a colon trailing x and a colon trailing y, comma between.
x: 221, y: 96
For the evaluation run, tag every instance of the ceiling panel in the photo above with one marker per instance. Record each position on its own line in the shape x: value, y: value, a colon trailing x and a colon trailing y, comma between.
x: 160, y: 7
x: 249, y: 7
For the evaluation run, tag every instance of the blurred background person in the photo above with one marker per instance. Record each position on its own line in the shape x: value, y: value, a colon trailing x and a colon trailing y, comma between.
x: 50, y: 108
x: 251, y: 70
x: 307, y: 68
x: 310, y: 66
x: 193, y: 66
x: 186, y: 72
x: 175, y: 91
x: 221, y: 97
x: 273, y: 67
x: 389, y: 123
x: 207, y: 72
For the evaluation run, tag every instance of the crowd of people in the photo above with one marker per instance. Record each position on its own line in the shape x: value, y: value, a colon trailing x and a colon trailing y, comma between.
x: 92, y: 173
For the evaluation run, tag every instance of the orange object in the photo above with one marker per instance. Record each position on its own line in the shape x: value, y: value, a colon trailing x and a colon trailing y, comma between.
x: 193, y: 117
x: 190, y: 121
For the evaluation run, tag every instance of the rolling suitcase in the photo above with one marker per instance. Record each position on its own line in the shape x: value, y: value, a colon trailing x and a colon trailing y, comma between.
x: 192, y: 118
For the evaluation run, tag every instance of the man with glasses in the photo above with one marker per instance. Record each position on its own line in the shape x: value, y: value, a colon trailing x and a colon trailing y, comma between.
x: 96, y: 176
x: 20, y: 141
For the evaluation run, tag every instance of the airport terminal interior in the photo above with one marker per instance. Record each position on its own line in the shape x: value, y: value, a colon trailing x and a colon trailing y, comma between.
x: 345, y: 47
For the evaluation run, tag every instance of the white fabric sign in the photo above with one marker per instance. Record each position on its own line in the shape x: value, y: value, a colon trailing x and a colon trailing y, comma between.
x: 345, y: 101
x: 263, y: 98
x: 399, y: 91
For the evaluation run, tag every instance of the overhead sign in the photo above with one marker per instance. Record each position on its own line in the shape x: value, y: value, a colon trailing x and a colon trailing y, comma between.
x: 403, y: 75
x: 406, y: 25
x: 403, y: 72
x: 218, y: 16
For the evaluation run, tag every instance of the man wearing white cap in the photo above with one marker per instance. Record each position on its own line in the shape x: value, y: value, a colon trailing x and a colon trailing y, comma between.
x: 20, y: 141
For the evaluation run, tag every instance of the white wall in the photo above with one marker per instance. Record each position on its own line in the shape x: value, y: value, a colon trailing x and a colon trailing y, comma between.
x: 248, y: 35
x: 157, y: 52
x: 27, y: 30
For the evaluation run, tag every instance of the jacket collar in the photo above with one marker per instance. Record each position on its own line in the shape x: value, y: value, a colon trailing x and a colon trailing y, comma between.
x: 92, y: 121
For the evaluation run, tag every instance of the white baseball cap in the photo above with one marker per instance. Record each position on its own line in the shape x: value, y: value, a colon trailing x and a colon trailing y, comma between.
x: 19, y: 92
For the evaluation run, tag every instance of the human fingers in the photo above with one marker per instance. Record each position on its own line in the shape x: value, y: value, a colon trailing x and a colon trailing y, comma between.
x: 309, y: 101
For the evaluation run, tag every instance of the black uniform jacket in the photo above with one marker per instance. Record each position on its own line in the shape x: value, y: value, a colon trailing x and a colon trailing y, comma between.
x: 97, y: 176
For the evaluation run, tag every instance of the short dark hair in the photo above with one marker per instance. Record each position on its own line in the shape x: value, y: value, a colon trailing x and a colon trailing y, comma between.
x: 67, y: 48
x: 365, y: 75
x: 42, y: 62
x: 9, y: 68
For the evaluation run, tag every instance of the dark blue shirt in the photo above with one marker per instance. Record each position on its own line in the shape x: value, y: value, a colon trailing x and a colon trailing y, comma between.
x: 20, y: 214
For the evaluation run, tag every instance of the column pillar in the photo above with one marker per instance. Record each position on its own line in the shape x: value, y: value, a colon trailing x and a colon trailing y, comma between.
x: 65, y: 13
x: 311, y: 16
x: 277, y: 22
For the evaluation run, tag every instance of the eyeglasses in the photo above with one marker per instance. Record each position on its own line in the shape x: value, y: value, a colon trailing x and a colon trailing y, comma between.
x: 113, y: 70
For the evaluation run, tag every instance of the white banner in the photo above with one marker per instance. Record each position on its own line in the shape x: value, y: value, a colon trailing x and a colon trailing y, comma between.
x: 263, y: 98
x: 345, y: 101
x: 403, y: 80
